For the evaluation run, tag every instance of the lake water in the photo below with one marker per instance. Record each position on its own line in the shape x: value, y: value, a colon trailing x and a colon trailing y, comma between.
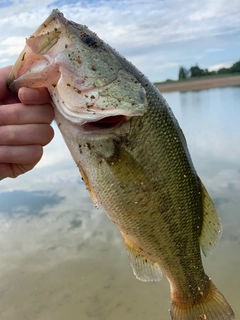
x: 61, y: 258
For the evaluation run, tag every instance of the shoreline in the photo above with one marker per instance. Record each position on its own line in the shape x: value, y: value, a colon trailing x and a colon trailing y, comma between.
x: 199, y: 84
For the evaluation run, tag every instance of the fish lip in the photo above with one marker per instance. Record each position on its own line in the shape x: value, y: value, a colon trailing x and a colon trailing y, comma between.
x: 90, y: 114
x: 106, y: 124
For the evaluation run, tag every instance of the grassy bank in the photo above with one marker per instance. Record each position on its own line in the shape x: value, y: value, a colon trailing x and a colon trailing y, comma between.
x: 199, y: 83
x: 198, y: 78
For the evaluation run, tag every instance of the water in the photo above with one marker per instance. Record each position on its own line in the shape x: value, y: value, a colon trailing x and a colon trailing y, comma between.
x: 63, y: 259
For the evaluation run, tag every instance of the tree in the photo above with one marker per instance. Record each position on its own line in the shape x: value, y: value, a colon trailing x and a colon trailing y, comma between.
x: 183, y: 73
x: 196, y: 71
x: 235, y: 67
x: 223, y: 71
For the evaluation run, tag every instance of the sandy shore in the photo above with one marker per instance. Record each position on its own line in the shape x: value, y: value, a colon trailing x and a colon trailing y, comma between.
x: 200, y: 84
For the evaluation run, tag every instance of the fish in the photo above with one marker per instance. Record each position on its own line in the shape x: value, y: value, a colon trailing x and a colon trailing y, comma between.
x: 133, y: 158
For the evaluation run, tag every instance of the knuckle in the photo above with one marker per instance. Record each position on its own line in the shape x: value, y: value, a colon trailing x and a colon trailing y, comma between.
x: 8, y: 135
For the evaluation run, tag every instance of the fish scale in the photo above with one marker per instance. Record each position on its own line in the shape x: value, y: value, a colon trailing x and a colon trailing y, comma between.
x: 180, y: 194
x: 133, y: 158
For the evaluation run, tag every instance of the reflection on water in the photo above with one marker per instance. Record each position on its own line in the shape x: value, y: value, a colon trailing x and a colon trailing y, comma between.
x: 61, y: 258
x: 27, y: 202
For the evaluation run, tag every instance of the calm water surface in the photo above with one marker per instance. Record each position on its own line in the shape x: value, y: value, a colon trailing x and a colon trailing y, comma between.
x: 63, y: 259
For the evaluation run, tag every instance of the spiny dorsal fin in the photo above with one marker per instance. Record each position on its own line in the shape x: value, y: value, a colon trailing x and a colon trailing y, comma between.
x: 211, y: 229
x: 144, y: 269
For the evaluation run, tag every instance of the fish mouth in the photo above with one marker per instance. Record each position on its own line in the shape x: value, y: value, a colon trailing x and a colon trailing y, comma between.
x: 88, y: 88
x: 105, y: 123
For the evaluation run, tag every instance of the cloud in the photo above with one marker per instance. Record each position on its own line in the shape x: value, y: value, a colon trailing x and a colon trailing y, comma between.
x: 214, y: 10
x: 3, y: 61
x: 214, y: 50
x: 144, y: 31
x: 218, y: 66
x: 13, y: 41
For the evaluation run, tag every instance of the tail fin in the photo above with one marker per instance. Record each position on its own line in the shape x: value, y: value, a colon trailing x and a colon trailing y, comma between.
x: 211, y: 307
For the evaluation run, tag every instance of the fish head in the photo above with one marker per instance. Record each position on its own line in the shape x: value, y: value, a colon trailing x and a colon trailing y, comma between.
x: 82, y: 74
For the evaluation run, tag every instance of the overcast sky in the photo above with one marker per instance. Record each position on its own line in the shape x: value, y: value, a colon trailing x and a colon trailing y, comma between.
x: 157, y: 36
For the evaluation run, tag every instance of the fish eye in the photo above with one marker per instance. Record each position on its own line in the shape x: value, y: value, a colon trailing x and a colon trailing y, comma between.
x: 91, y: 41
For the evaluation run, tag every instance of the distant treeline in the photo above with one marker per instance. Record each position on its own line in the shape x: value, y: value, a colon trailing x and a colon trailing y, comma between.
x: 195, y: 71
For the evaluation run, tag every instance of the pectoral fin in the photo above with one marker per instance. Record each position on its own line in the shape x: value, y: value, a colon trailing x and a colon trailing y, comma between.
x: 144, y: 269
x: 211, y: 228
x: 125, y: 167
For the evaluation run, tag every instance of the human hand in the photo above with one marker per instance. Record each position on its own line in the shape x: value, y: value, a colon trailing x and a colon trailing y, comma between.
x: 24, y: 127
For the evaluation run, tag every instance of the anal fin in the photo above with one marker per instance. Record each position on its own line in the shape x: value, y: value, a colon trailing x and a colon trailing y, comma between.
x: 143, y: 268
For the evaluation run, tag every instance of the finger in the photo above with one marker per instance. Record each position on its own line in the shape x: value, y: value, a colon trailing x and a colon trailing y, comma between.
x: 18, y: 160
x: 29, y: 154
x: 25, y: 114
x: 8, y: 170
x: 6, y: 96
x: 28, y: 134
x: 4, y: 72
x: 34, y: 96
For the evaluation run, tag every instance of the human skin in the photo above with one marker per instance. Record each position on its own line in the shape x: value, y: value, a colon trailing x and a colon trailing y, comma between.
x: 25, y: 127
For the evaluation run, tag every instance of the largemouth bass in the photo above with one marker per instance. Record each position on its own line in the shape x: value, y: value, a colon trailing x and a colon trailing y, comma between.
x: 133, y: 158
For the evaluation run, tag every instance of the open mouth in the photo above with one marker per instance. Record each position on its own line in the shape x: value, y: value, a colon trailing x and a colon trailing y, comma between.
x: 105, y: 123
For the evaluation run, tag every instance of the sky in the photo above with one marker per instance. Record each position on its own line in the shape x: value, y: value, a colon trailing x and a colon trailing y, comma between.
x: 157, y: 36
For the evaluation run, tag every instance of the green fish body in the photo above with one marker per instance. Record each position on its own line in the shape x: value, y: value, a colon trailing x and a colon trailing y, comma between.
x: 133, y: 158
